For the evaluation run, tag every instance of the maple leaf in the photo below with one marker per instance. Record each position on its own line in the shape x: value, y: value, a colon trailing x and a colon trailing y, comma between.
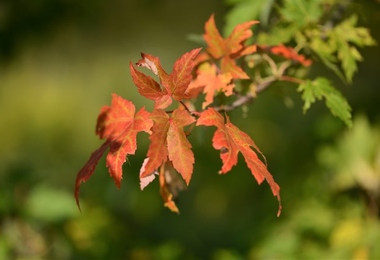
x: 322, y: 88
x: 211, y: 82
x: 171, y: 86
x: 288, y: 53
x: 119, y: 125
x: 230, y: 48
x: 230, y: 140
x: 169, y: 142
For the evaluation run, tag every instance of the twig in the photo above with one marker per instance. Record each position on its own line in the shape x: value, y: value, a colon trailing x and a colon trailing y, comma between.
x: 265, y: 83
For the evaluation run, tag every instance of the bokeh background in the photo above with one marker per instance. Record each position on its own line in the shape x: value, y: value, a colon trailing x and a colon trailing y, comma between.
x: 59, y: 63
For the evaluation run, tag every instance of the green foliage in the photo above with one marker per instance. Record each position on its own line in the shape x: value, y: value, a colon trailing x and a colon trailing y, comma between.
x: 355, y: 159
x: 319, y: 88
x: 333, y: 221
x: 334, y: 46
x: 300, y: 12
x: 309, y: 24
x: 245, y: 10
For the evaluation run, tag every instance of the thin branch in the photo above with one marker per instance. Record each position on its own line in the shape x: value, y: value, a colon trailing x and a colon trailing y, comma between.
x: 265, y: 83
x: 271, y: 63
x: 292, y: 79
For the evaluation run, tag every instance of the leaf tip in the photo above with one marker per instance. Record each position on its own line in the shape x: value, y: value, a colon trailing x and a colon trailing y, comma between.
x: 76, y: 193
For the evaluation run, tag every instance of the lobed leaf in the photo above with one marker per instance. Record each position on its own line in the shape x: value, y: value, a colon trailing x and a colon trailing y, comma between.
x: 211, y: 82
x: 230, y: 140
x: 321, y: 88
x: 173, y: 85
x: 231, y: 47
x: 241, y: 32
x: 168, y: 141
x: 119, y: 125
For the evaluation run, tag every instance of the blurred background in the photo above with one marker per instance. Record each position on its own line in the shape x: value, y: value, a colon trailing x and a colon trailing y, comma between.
x: 59, y: 63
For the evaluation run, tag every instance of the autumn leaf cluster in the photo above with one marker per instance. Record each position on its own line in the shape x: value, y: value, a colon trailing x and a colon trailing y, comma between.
x: 170, y: 151
x: 228, y: 73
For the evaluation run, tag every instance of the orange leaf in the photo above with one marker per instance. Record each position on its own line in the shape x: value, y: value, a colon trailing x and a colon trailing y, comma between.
x: 230, y: 140
x: 228, y: 65
x: 172, y: 86
x: 181, y: 75
x: 212, y: 82
x: 235, y: 42
x: 146, y: 86
x: 213, y: 39
x: 119, y: 125
x: 157, y: 152
x: 168, y: 140
x: 289, y: 53
x: 179, y: 147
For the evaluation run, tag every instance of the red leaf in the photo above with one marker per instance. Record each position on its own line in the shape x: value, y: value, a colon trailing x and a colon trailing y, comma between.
x: 179, y: 147
x: 88, y: 169
x: 119, y: 125
x: 181, y: 75
x: 230, y: 140
x: 146, y: 86
x: 289, y: 53
x: 168, y: 140
x: 157, y: 152
x: 173, y: 85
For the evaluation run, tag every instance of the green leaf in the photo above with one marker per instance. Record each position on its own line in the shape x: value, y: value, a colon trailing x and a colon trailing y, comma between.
x: 346, y: 31
x: 243, y: 11
x: 279, y: 34
x: 322, y: 88
x: 302, y: 12
x: 348, y: 56
x: 325, y: 52
x: 343, y: 34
